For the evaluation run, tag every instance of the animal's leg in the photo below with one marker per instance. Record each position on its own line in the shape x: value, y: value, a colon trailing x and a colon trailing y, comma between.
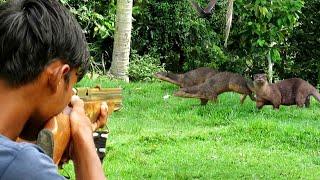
x: 252, y: 97
x: 242, y: 90
x: 242, y: 98
x: 214, y: 97
x: 259, y: 104
x: 276, y: 102
x: 204, y: 101
x: 307, y: 102
x: 300, y: 100
x: 276, y: 106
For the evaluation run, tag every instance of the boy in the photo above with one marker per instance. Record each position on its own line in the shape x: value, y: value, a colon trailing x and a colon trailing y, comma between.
x: 43, y: 53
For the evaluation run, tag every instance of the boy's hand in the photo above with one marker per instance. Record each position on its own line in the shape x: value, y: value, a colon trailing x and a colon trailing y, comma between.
x: 79, y: 122
x: 81, y: 126
x: 83, y: 152
x: 102, y: 119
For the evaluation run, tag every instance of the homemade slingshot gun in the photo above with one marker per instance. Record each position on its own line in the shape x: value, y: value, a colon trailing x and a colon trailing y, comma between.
x: 54, y: 139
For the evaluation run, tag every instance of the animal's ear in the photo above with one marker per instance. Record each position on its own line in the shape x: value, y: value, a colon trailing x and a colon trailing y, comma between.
x: 265, y: 76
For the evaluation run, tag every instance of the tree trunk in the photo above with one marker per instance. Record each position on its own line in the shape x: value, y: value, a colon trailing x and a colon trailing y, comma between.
x: 270, y: 69
x: 228, y: 22
x: 122, y: 37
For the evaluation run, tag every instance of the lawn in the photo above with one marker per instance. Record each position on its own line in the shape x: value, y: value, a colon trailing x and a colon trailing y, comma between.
x: 176, y: 138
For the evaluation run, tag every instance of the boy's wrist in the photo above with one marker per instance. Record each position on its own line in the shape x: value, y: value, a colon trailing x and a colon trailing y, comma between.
x: 82, y: 143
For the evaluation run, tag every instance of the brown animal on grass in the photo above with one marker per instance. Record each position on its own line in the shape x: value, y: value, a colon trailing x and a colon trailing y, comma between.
x: 293, y: 91
x: 191, y: 78
x: 218, y: 84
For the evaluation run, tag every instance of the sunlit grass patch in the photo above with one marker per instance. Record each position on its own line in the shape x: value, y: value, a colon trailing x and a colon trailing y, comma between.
x: 176, y: 138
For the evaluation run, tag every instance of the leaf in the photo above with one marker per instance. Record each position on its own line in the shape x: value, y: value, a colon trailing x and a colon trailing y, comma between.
x: 64, y: 1
x: 264, y: 11
x: 261, y: 42
x: 279, y: 22
x: 275, y: 55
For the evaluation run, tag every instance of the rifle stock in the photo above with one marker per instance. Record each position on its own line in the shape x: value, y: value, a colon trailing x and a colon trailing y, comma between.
x: 54, y: 138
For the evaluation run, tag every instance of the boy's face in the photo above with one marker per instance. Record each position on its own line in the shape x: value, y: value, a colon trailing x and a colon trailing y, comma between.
x: 59, y: 100
x: 50, y: 106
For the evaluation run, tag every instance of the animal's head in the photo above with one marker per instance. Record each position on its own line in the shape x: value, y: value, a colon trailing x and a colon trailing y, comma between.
x: 160, y: 74
x: 169, y: 77
x: 260, y: 79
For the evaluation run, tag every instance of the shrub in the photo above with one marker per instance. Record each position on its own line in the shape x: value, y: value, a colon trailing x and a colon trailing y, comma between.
x: 174, y: 31
x: 97, y: 19
x: 142, y: 68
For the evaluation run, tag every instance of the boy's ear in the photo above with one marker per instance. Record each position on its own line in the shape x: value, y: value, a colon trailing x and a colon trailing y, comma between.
x: 56, y: 73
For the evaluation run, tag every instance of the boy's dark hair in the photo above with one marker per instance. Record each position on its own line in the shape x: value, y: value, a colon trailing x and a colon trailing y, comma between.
x: 33, y: 33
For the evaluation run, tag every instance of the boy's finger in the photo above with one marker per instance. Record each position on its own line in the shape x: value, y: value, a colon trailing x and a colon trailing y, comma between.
x: 94, y: 126
x: 77, y: 103
x: 104, y: 109
x: 102, y: 119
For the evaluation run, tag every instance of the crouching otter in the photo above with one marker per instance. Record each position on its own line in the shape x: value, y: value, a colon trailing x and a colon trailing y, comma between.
x: 191, y: 78
x: 219, y: 83
x: 293, y: 91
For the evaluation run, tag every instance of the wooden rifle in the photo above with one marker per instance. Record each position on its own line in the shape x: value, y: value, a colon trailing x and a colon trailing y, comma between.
x: 54, y: 138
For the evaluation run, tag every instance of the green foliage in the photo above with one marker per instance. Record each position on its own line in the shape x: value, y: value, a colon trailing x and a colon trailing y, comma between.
x: 173, y: 30
x: 97, y: 18
x: 302, y: 57
x: 142, y: 68
x: 261, y: 26
x: 184, y: 41
x: 175, y: 138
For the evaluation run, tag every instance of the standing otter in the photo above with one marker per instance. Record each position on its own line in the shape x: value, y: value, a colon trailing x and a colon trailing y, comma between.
x: 293, y: 91
x: 187, y: 79
x: 218, y: 84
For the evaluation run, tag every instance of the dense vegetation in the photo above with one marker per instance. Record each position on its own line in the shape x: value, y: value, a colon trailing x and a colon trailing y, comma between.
x: 302, y: 56
x: 175, y: 138
x: 170, y: 33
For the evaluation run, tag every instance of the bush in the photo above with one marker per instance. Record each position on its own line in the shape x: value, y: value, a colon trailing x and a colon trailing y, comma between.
x: 260, y: 27
x: 174, y: 31
x: 142, y: 68
x: 302, y: 57
x: 97, y: 19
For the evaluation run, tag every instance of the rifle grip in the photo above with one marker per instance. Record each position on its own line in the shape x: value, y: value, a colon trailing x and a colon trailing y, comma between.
x: 55, y: 136
x: 56, y: 133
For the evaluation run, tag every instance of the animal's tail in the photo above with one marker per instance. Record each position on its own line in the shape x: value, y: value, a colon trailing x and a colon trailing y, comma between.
x: 316, y: 95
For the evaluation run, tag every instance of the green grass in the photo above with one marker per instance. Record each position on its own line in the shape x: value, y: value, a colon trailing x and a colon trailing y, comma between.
x: 179, y: 139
